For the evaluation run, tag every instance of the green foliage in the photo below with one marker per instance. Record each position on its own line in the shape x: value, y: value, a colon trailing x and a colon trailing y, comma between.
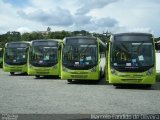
x: 100, y: 36
x: 31, y: 36
x: 157, y: 39
x: 16, y: 36
x: 82, y: 32
x: 8, y: 37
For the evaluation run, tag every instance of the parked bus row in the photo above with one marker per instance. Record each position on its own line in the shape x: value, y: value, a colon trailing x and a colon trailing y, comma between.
x: 130, y: 58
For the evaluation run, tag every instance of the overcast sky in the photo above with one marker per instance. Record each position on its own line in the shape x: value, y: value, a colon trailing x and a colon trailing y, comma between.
x: 91, y: 15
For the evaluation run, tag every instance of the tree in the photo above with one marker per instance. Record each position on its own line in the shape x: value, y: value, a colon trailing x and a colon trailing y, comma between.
x: 25, y: 37
x: 13, y: 36
x: 48, y: 29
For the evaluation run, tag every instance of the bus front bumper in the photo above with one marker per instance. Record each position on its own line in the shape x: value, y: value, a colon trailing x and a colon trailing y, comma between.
x: 43, y: 70
x: 15, y: 68
x: 80, y: 75
x: 133, y: 79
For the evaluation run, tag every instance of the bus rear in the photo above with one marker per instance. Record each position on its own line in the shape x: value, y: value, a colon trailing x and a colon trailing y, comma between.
x: 15, y: 57
x: 131, y: 59
x: 81, y: 58
x: 44, y: 57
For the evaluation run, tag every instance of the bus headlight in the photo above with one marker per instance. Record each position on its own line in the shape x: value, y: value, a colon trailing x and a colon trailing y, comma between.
x: 94, y: 69
x: 6, y: 65
x: 30, y: 66
x: 113, y: 71
x: 150, y: 71
x: 54, y: 67
x: 65, y: 69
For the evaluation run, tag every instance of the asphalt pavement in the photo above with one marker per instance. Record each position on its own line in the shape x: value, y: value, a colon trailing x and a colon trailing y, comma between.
x: 25, y: 94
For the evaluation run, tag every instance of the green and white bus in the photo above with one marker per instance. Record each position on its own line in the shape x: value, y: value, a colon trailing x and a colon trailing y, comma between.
x: 81, y: 57
x: 130, y: 59
x: 1, y: 57
x: 15, y: 57
x: 44, y: 57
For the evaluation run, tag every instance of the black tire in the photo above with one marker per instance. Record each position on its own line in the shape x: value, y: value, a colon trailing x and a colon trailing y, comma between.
x: 100, y: 75
x: 148, y: 85
x: 12, y: 73
x: 25, y: 73
x: 37, y: 76
x: 103, y: 73
x: 117, y: 85
x: 69, y: 80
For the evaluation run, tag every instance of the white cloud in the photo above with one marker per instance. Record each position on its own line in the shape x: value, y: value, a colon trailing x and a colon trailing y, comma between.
x: 96, y: 25
x: 88, y: 5
x: 82, y: 19
x: 60, y: 17
x: 106, y: 22
x: 23, y: 29
x: 47, y: 4
x: 94, y: 15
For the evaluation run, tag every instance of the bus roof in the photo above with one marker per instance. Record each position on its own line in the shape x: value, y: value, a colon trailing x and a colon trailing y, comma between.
x: 40, y: 40
x: 83, y: 37
x: 27, y: 42
x: 47, y: 40
x: 19, y: 42
x: 132, y: 33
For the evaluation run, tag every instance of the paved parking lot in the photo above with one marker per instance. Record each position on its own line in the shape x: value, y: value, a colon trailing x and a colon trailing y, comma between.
x: 25, y: 94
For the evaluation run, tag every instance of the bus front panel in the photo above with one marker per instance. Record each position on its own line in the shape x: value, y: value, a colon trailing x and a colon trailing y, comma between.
x: 15, y: 57
x: 44, y: 58
x: 80, y: 59
x: 131, y: 60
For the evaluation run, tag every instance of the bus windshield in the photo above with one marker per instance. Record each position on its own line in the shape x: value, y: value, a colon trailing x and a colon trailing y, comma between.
x: 132, y: 53
x: 42, y: 56
x: 80, y: 56
x: 16, y: 56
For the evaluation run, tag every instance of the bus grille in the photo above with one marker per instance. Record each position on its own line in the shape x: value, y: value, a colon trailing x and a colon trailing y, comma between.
x: 79, y: 72
x: 132, y: 80
x: 15, y: 69
x: 42, y: 73
x: 79, y: 76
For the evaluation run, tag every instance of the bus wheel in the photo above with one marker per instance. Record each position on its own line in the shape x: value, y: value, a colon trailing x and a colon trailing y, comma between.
x: 12, y: 73
x: 148, y: 85
x: 69, y: 80
x: 116, y: 85
x: 25, y: 73
x: 37, y: 76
